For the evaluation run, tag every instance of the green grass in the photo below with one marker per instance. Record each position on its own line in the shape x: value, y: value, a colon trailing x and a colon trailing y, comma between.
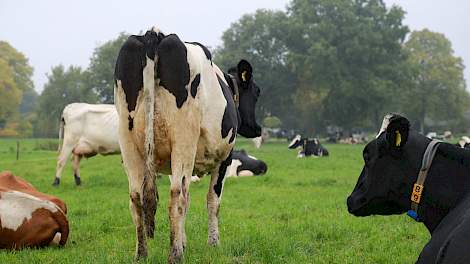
x: 296, y: 213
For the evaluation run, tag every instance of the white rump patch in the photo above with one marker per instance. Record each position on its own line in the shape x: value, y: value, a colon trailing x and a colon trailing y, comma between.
x: 385, y: 124
x: 17, y: 207
x: 251, y: 157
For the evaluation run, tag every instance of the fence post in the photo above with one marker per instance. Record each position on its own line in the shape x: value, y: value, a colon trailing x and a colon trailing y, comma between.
x: 17, y: 150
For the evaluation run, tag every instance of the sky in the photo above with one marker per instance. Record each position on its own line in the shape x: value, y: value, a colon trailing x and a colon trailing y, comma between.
x: 53, y: 32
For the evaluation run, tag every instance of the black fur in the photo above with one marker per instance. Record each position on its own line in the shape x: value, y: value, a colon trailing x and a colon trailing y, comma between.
x: 173, y: 67
x: 129, y: 66
x: 222, y: 170
x: 230, y: 118
x: 195, y: 84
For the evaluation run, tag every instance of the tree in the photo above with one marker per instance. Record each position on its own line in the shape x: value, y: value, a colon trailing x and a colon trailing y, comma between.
x: 22, y: 71
x: 10, y: 94
x: 101, y: 69
x: 438, y: 88
x: 259, y: 39
x: 63, y: 87
x: 323, y: 62
x: 348, y: 59
x: 16, y: 92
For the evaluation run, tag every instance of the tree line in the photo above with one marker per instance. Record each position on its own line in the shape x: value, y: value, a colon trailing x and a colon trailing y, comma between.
x: 321, y: 64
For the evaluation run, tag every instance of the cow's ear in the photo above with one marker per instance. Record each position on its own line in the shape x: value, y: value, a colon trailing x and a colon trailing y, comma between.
x: 245, y: 71
x: 397, y: 132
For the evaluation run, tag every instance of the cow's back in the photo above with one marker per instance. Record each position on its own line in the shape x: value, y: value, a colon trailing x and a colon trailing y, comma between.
x: 95, y: 125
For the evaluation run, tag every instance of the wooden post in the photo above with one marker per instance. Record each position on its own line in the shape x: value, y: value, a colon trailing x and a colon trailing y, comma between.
x: 17, y: 149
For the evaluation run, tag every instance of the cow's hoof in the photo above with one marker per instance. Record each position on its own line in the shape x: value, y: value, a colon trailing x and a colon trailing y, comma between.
x: 213, y: 240
x: 140, y: 255
x: 78, y: 181
x: 56, y: 182
x: 176, y: 255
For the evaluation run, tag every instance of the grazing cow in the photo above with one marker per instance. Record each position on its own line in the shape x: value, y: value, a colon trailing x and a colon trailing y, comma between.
x: 309, y: 147
x: 178, y: 113
x: 88, y: 129
x: 29, y: 218
x: 242, y: 165
x: 406, y: 171
x: 464, y: 142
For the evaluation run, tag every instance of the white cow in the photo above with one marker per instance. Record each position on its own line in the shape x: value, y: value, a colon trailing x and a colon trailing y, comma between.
x: 88, y: 129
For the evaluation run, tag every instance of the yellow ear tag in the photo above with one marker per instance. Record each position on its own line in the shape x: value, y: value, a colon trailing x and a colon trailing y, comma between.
x: 244, y: 76
x: 398, y: 138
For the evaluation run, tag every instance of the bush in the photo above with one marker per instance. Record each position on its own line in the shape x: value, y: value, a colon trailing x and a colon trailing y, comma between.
x: 272, y: 122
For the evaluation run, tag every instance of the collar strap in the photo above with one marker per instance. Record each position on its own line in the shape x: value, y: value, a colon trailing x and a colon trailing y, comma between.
x: 423, y: 172
x: 236, y: 94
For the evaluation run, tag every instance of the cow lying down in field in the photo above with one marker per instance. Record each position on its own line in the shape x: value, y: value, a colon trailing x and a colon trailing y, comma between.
x: 406, y: 171
x: 88, y: 129
x: 242, y: 165
x: 29, y: 218
x: 308, y: 147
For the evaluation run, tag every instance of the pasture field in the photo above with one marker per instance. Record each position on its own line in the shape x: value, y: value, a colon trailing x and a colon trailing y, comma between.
x: 296, y: 213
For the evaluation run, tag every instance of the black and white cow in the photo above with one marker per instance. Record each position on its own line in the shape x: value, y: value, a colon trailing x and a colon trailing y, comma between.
x: 389, y: 184
x: 178, y: 114
x: 464, y: 142
x: 308, y: 147
x: 243, y: 165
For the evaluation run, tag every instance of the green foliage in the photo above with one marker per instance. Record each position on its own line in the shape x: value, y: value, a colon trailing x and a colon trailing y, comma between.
x: 22, y: 71
x: 331, y: 62
x: 17, y: 96
x: 281, y: 217
x: 63, y: 87
x: 259, y: 39
x: 272, y: 122
x: 101, y: 68
x: 437, y: 86
x: 10, y: 94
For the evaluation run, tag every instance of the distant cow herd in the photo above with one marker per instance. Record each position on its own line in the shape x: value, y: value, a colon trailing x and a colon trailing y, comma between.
x: 177, y: 113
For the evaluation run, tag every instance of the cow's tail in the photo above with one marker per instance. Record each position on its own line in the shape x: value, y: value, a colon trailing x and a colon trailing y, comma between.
x: 61, y: 132
x: 61, y: 219
x: 149, y: 191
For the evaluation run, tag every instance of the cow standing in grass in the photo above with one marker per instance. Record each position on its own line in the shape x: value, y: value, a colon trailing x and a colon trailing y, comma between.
x: 406, y: 171
x: 88, y: 129
x: 178, y: 113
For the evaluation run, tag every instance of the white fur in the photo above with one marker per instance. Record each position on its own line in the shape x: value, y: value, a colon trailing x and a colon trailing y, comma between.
x: 251, y: 157
x: 232, y: 169
x: 385, y: 124
x: 88, y: 128
x: 245, y: 173
x: 297, y: 138
x: 17, y: 207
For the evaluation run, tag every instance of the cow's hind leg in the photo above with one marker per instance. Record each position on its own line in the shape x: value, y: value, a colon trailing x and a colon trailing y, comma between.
x: 182, y: 164
x: 134, y: 164
x: 214, y: 197
x: 61, y: 161
x: 76, y: 168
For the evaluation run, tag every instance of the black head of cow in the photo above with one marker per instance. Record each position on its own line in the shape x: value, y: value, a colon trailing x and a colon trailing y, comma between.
x: 248, y: 96
x: 249, y: 163
x: 392, y: 162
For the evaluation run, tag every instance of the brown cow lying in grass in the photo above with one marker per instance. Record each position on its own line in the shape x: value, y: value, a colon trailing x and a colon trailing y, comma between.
x: 29, y: 218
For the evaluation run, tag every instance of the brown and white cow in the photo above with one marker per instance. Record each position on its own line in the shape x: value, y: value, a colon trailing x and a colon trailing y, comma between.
x: 88, y: 129
x: 29, y: 218
x: 178, y: 113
